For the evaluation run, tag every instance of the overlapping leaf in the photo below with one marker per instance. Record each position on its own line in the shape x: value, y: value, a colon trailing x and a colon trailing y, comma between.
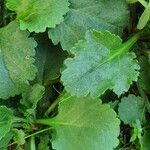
x: 131, y: 109
x: 31, y: 97
x: 6, y: 120
x: 102, y: 15
x: 84, y: 124
x: 100, y: 62
x: 16, y: 60
x: 36, y: 15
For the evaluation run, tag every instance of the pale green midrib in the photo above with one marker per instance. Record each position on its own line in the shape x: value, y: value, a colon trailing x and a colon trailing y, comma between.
x: 50, y: 122
x: 125, y: 47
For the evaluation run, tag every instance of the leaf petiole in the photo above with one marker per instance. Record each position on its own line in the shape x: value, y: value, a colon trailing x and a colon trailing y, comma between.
x: 33, y: 134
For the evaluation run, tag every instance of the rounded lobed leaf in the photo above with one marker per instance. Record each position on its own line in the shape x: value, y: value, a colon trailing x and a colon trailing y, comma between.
x: 83, y: 15
x: 131, y: 109
x: 84, y: 123
x: 17, y: 53
x: 100, y: 63
x: 37, y: 15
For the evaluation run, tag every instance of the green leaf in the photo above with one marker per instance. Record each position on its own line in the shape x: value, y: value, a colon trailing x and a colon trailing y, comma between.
x: 6, y: 120
x: 100, y: 62
x: 16, y: 60
x: 31, y: 97
x: 101, y: 15
x: 131, y: 109
x: 144, y: 78
x: 132, y: 1
x: 144, y: 18
x: 84, y: 123
x: 7, y: 87
x: 37, y: 15
x: 46, y: 62
x: 19, y: 136
x: 145, y: 141
x: 5, y: 140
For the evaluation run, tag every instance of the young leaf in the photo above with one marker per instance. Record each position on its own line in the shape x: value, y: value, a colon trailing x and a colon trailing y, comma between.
x: 131, y: 109
x: 16, y: 60
x: 144, y: 18
x: 31, y: 97
x: 6, y: 120
x: 100, y: 62
x: 84, y: 123
x: 19, y: 136
x: 37, y: 15
x: 101, y: 15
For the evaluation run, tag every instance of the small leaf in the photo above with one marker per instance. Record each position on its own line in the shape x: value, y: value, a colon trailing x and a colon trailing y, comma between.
x: 84, y: 123
x: 19, y: 136
x: 100, y: 63
x: 6, y: 120
x: 40, y: 14
x: 31, y: 97
x: 144, y: 18
x: 131, y: 109
x: 101, y: 15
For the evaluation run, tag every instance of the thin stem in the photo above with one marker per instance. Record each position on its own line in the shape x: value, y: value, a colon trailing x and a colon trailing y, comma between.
x: 32, y: 143
x: 33, y: 134
x: 143, y: 2
x: 132, y: 40
x: 142, y: 93
x: 52, y: 106
x: 18, y: 119
x: 38, y: 132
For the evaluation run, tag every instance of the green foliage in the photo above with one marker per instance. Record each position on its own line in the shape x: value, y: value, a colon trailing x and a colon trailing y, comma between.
x: 16, y: 60
x: 81, y: 118
x: 131, y: 109
x: 6, y: 120
x: 30, y: 13
x: 74, y: 74
x: 93, y: 72
x: 102, y: 15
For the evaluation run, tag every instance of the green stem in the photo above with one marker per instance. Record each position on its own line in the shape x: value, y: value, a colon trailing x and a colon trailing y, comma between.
x: 33, y: 134
x: 131, y: 41
x: 143, y: 2
x: 38, y: 132
x: 18, y: 119
x: 46, y: 121
x: 51, y: 108
x: 32, y: 143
